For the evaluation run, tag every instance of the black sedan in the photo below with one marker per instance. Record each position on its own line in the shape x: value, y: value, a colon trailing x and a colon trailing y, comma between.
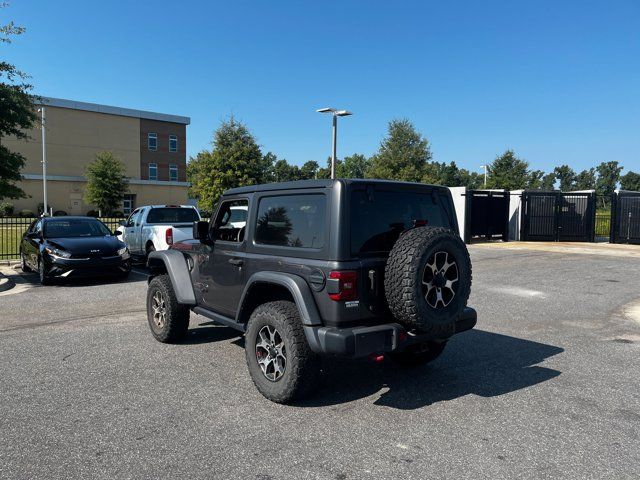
x: 73, y: 247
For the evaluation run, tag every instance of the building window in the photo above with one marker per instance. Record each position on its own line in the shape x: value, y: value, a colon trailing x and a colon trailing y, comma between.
x: 173, y: 173
x: 153, y: 171
x: 127, y: 205
x: 173, y: 143
x: 152, y: 141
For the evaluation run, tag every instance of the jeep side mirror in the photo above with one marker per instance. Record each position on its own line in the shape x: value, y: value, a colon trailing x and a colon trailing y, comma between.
x: 117, y: 233
x: 201, y: 231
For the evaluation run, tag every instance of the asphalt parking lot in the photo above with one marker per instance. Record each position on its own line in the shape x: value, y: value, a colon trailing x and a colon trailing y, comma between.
x: 546, y: 386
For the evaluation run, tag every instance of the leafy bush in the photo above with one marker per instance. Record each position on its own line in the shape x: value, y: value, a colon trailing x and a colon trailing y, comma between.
x: 27, y: 213
x: 93, y: 213
x: 59, y: 213
x: 6, y: 209
x: 117, y: 214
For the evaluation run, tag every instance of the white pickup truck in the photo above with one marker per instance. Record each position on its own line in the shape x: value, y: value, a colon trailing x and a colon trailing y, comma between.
x: 157, y: 227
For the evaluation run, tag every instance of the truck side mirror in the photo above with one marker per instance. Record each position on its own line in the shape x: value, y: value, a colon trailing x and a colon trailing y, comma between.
x: 201, y: 231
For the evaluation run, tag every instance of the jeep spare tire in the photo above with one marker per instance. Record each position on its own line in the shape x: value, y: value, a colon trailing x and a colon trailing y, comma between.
x: 427, y: 280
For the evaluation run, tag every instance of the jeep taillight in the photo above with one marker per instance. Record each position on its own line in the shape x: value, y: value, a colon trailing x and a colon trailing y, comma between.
x: 343, y: 285
x: 168, y: 236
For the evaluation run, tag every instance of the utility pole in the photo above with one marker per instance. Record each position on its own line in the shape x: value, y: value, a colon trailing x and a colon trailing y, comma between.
x: 44, y: 161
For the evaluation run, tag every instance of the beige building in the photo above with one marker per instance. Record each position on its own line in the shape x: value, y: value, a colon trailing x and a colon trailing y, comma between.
x: 151, y: 145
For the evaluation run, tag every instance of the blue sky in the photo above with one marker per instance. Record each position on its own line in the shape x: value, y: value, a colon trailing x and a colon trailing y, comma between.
x: 557, y: 81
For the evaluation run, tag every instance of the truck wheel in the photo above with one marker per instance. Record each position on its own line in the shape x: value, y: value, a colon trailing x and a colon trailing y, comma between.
x: 168, y: 319
x: 281, y: 364
x: 418, y: 354
x: 428, y: 280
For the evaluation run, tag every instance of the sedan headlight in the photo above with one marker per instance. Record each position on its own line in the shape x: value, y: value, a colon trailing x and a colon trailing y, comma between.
x: 56, y: 252
x: 123, y: 251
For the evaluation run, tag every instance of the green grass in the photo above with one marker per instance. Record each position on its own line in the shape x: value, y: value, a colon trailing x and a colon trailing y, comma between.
x: 10, y: 241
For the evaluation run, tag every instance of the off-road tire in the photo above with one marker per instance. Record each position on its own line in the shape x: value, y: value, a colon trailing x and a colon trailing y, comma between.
x: 175, y: 325
x: 417, y: 355
x: 302, y: 368
x: 404, y: 275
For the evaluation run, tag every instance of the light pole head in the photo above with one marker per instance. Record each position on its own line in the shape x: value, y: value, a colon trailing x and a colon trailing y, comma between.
x: 326, y: 110
x: 342, y: 113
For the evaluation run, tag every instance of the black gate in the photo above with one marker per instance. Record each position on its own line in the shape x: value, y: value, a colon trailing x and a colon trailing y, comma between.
x: 487, y: 215
x: 625, y: 212
x: 556, y: 216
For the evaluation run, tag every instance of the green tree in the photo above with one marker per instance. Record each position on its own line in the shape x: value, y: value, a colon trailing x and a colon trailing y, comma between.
x: 630, y: 181
x: 586, y: 180
x: 535, y: 179
x: 283, y: 172
x: 508, y: 172
x: 548, y: 182
x: 309, y: 170
x: 235, y: 160
x: 608, y: 177
x: 16, y: 115
x: 471, y: 180
x: 106, y: 183
x: 566, y: 176
x: 353, y: 166
x: 403, y: 154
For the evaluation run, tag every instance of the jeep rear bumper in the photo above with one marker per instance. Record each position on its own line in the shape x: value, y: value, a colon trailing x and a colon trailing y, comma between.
x: 362, y: 341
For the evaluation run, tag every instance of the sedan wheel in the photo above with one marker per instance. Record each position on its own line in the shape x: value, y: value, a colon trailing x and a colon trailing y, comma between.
x: 23, y: 264
x: 44, y: 278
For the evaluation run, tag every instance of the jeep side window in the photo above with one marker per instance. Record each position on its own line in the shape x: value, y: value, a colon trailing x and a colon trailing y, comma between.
x: 292, y: 221
x: 231, y: 221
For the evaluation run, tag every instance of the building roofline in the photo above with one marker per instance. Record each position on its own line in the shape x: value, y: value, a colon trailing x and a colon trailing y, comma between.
x: 110, y: 110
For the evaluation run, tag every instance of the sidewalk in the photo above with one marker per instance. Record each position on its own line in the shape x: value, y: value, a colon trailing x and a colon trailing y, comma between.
x: 607, y: 249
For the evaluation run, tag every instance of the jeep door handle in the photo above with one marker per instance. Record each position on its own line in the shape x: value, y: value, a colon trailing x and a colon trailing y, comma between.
x: 236, y: 261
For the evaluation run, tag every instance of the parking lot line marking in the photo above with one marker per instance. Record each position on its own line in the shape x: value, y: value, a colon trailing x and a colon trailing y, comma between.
x: 518, y: 292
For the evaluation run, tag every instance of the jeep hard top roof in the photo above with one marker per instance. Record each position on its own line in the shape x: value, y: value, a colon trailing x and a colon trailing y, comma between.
x: 325, y: 183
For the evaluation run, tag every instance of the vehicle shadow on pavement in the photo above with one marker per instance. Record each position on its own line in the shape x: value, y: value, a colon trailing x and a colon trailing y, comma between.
x: 208, y: 332
x: 33, y: 280
x: 474, y: 363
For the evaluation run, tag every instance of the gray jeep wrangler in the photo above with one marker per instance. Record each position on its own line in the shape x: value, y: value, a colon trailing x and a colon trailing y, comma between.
x: 349, y: 268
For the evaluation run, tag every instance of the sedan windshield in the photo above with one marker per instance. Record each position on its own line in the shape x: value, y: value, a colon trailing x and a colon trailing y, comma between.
x: 75, y: 227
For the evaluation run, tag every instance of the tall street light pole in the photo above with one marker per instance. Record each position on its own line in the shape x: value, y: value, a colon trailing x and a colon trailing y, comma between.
x: 44, y: 161
x: 334, y: 145
x: 485, y: 174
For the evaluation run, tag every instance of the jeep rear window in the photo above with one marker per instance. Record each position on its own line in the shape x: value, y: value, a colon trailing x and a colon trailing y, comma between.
x: 172, y: 215
x: 379, y: 217
x: 292, y: 221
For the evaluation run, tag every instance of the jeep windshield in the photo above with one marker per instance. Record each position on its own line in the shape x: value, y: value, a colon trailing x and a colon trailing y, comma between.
x: 378, y: 217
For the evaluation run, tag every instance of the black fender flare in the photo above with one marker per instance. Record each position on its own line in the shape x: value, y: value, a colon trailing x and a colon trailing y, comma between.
x: 295, y: 284
x: 176, y: 266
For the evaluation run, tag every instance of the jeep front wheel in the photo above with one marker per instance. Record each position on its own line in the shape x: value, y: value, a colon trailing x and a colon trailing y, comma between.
x: 281, y: 364
x: 168, y: 319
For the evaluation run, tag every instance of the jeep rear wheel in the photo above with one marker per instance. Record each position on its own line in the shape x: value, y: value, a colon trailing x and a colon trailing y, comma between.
x: 168, y: 319
x: 428, y: 280
x: 281, y: 364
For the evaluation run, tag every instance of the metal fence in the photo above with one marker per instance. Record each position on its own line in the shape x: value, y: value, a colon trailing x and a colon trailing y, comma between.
x: 603, y: 224
x: 12, y: 229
